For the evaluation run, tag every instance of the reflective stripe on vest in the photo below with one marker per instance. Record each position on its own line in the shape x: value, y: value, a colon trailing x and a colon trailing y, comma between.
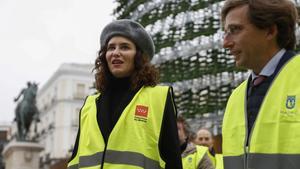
x: 117, y: 157
x: 92, y: 160
x: 264, y: 161
x: 133, y: 142
x: 192, y: 161
x: 273, y: 142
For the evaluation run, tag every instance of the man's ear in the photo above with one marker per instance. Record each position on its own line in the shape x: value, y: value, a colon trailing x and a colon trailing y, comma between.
x: 272, y: 32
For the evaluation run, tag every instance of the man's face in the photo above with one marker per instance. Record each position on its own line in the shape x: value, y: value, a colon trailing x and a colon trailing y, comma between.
x: 204, y: 138
x: 247, y: 43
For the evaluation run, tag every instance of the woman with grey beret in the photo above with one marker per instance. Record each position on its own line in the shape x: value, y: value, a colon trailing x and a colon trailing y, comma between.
x: 131, y: 122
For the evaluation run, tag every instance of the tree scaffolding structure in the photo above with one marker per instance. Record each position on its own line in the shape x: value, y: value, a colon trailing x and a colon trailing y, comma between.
x: 189, y: 53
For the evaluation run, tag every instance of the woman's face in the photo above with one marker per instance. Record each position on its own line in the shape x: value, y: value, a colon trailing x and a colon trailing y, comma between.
x: 120, y: 56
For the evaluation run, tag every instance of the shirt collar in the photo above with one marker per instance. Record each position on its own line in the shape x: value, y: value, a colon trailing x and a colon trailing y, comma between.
x: 270, y: 67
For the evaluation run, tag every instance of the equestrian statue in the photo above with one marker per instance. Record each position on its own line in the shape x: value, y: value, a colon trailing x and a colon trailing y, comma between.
x: 26, y: 111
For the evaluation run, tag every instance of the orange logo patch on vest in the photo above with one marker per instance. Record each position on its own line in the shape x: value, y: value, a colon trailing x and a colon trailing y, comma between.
x: 141, y: 113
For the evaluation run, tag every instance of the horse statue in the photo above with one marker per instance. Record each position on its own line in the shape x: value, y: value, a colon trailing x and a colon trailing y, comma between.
x: 26, y: 110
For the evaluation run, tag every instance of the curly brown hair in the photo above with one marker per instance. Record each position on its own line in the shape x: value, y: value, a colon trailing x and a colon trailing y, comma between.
x: 145, y: 74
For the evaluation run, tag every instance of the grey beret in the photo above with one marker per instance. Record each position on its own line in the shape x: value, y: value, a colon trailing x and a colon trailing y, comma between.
x: 129, y: 29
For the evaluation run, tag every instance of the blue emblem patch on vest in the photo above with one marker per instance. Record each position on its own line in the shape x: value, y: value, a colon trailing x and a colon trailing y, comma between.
x: 290, y: 102
x: 190, y: 159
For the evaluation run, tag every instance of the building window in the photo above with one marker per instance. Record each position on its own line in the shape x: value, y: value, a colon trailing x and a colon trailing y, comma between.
x: 80, y: 91
x: 75, y: 118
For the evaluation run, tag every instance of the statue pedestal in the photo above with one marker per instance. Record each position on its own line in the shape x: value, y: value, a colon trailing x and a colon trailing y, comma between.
x: 22, y: 155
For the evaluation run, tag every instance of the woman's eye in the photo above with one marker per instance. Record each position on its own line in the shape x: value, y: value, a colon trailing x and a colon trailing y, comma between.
x: 110, y: 48
x: 124, y: 47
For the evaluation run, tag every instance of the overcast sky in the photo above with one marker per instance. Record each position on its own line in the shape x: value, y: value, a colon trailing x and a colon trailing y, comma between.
x: 36, y: 36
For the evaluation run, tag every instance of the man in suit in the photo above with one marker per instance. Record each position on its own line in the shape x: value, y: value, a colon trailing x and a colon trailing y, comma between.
x: 262, y: 116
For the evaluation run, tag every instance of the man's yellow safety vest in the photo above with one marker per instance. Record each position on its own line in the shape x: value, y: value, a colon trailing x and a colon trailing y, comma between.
x: 133, y: 142
x: 216, y: 160
x: 212, y: 158
x: 192, y: 160
x: 274, y: 140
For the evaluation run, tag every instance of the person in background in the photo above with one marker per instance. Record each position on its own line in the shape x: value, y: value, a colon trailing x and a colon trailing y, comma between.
x: 262, y: 121
x: 193, y: 156
x: 205, y: 138
x: 193, y: 137
x: 131, y: 122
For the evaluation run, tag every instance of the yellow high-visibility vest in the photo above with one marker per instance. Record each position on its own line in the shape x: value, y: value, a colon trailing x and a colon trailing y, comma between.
x: 274, y: 142
x: 219, y: 161
x: 133, y: 142
x: 216, y: 160
x: 212, y: 158
x: 191, y: 161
